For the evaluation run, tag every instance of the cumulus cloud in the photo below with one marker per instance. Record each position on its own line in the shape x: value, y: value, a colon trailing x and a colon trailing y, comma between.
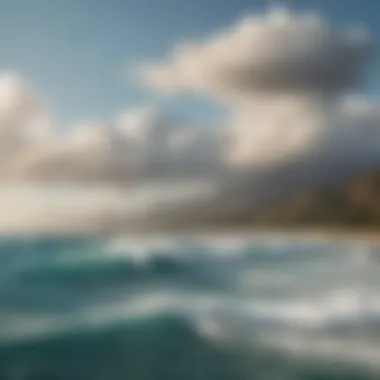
x: 268, y: 132
x: 170, y: 149
x: 274, y: 53
x: 24, y: 121
x: 93, y: 152
x: 141, y: 146
x: 20, y: 106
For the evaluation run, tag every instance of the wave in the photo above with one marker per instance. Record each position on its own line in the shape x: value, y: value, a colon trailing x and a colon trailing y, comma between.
x: 169, y: 308
x: 156, y: 343
x: 162, y: 347
x: 130, y: 260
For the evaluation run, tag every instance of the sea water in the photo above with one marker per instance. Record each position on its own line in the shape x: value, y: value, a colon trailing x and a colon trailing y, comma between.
x: 181, y: 307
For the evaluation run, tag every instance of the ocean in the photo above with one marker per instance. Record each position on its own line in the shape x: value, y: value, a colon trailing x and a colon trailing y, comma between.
x: 188, y: 308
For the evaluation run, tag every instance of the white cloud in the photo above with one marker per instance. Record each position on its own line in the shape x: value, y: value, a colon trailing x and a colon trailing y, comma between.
x: 19, y: 105
x: 91, y: 153
x: 141, y: 146
x: 24, y: 121
x: 273, y: 53
x: 336, y: 137
x: 267, y: 132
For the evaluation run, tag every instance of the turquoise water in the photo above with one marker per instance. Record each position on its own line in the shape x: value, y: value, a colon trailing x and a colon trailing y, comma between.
x: 188, y: 308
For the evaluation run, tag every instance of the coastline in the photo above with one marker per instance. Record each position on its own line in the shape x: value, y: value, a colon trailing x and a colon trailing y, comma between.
x: 338, y: 234
x: 318, y: 233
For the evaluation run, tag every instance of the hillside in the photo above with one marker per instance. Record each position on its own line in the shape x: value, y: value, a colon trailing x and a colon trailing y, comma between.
x: 353, y: 203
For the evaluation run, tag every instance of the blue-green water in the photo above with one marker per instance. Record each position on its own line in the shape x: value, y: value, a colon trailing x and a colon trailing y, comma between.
x: 173, y: 308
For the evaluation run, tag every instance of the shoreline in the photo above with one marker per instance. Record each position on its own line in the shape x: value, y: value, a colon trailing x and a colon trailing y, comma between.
x: 314, y: 233
x: 368, y: 236
x: 320, y: 233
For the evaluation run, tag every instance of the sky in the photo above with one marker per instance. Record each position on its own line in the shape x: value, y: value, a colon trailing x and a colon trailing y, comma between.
x: 141, y: 111
x: 77, y: 54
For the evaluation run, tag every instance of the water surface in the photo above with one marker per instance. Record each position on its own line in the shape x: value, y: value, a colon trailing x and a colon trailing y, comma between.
x: 170, y: 308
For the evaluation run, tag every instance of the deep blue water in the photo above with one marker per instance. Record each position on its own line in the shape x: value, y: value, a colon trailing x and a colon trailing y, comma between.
x: 176, y: 308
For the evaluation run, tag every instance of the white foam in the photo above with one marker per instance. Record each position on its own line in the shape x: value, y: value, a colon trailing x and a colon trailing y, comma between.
x: 333, y: 349
x: 23, y: 327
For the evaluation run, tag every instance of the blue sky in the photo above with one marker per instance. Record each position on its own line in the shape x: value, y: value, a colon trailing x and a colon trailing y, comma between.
x: 76, y: 52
